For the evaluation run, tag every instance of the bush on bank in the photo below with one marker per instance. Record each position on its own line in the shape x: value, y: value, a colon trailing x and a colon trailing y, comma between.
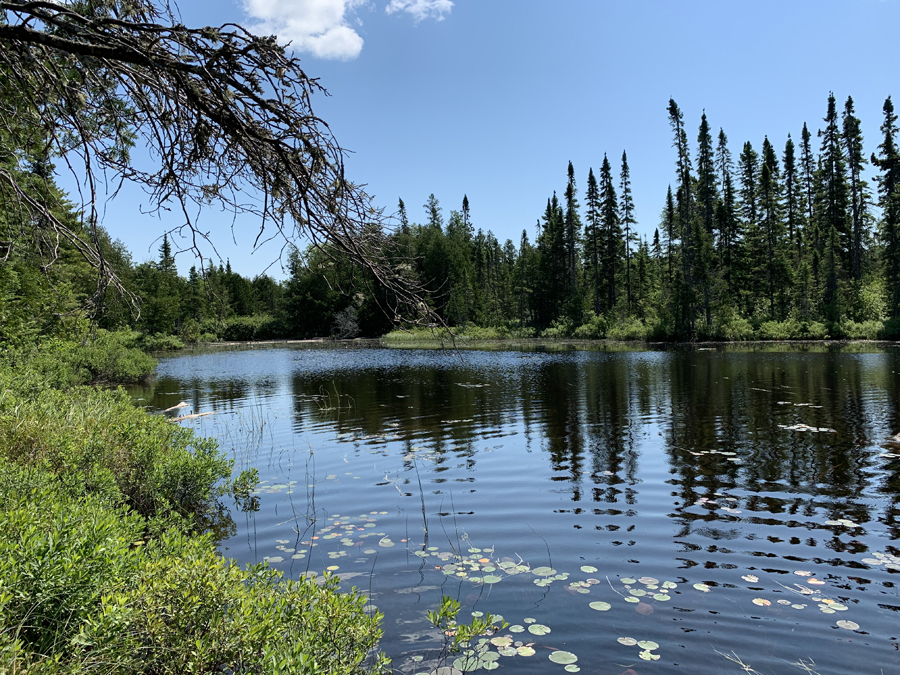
x: 102, y: 563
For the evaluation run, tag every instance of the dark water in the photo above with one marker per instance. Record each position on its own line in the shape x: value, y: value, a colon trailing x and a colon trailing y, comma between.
x: 402, y: 469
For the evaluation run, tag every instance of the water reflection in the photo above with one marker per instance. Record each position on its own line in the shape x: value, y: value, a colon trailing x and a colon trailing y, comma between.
x: 718, y: 463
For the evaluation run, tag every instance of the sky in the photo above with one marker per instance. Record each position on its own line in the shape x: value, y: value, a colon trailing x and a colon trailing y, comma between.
x: 492, y: 98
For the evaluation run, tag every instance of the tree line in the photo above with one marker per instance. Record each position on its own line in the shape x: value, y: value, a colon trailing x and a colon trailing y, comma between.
x: 769, y: 244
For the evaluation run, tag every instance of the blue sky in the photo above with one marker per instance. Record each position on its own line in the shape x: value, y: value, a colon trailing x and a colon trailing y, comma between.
x: 492, y: 98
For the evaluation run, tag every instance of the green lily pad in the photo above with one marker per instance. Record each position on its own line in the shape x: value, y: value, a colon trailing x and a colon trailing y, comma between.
x: 507, y: 651
x: 702, y: 587
x: 600, y: 606
x: 588, y: 569
x: 530, y: 620
x: 487, y: 656
x: 501, y: 641
x: 538, y: 629
x: 648, y: 645
x: 638, y: 592
x: 563, y: 657
x: 525, y: 651
x: 848, y: 625
x: 661, y: 597
x: 669, y: 584
x: 543, y: 571
x: 649, y: 656
x: 517, y: 629
x: 627, y: 641
x: 492, y: 579
x: 632, y: 599
x: 490, y: 665
x: 572, y: 668
x: 629, y: 580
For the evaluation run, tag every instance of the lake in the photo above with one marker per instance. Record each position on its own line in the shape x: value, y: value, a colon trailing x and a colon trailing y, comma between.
x: 641, y: 510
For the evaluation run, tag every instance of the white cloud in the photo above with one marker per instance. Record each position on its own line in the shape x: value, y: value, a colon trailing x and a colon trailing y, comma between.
x: 318, y: 27
x: 421, y: 9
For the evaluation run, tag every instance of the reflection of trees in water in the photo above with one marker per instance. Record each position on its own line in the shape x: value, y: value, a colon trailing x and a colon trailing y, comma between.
x: 595, y: 413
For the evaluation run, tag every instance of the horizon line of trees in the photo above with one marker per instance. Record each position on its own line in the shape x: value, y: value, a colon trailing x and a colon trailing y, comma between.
x: 799, y: 236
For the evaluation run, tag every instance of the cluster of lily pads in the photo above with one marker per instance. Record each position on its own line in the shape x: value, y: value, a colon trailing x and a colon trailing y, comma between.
x: 647, y: 647
x: 891, y: 562
x: 350, y: 531
x: 653, y: 589
x: 726, y: 454
x: 488, y: 652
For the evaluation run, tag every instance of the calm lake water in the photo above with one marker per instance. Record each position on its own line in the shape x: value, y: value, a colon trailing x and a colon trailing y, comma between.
x: 727, y: 504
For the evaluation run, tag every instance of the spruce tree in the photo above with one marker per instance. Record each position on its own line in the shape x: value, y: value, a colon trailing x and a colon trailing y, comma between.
x: 573, y: 235
x: 834, y: 197
x: 726, y: 212
x: 627, y: 220
x: 888, y: 163
x: 793, y: 200
x: 856, y: 161
x: 593, y: 235
x: 612, y: 232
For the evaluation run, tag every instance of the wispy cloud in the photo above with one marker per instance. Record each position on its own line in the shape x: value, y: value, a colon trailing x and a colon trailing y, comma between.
x: 421, y: 9
x: 323, y: 27
x: 318, y: 27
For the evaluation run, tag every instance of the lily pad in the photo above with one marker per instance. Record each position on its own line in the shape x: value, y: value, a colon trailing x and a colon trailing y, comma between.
x: 629, y: 580
x: 525, y: 651
x: 632, y: 599
x: 529, y: 620
x: 702, y: 587
x: 669, y: 584
x: 538, y: 629
x: 627, y: 641
x: 662, y: 597
x: 563, y: 657
x: 762, y: 602
x: 638, y: 592
x: 507, y: 651
x: 649, y: 656
x: 600, y: 606
x: 848, y: 625
x: 492, y: 579
x: 588, y: 569
x: 501, y: 641
x: 648, y: 581
x: 648, y: 645
x: 543, y: 571
x: 517, y: 629
x: 572, y: 668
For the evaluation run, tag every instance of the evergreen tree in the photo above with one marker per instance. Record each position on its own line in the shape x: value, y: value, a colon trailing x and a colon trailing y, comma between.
x: 401, y: 214
x: 888, y: 162
x: 853, y: 142
x: 808, y: 188
x: 593, y: 236
x: 612, y: 232
x: 726, y: 212
x: 627, y: 220
x: 793, y: 200
x: 834, y: 198
x: 573, y: 235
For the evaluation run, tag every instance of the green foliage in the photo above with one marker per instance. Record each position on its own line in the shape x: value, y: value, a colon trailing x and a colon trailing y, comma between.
x: 250, y: 328
x: 630, y: 329
x: 101, y: 357
x: 161, y: 342
x: 83, y: 588
x: 457, y: 634
x: 594, y: 328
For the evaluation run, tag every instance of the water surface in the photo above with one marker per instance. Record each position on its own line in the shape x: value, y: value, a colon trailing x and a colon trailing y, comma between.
x: 759, y: 482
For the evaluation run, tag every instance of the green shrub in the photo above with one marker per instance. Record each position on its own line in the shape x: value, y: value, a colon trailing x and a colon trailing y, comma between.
x: 630, y: 329
x: 816, y: 330
x: 160, y: 342
x: 863, y: 330
x: 594, y: 327
x: 560, y: 328
x: 103, y: 358
x: 98, y: 440
x: 82, y: 588
x: 250, y: 328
